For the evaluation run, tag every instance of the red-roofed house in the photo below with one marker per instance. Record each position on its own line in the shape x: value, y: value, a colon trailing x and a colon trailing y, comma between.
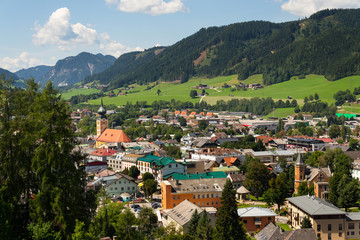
x: 101, y: 154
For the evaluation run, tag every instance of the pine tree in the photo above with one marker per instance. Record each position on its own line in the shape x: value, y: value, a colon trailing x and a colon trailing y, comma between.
x: 192, y: 225
x: 306, y: 223
x: 203, y: 230
x: 228, y: 224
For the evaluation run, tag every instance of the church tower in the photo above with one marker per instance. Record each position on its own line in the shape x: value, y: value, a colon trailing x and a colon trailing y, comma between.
x: 300, y: 168
x: 101, y: 121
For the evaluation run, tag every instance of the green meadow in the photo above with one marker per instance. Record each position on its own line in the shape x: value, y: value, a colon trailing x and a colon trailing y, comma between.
x: 296, y: 88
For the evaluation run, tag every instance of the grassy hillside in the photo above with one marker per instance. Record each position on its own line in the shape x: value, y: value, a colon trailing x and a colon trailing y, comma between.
x: 297, y: 88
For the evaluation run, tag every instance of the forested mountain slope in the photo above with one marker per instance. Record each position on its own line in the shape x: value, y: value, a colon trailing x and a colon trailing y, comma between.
x: 327, y: 43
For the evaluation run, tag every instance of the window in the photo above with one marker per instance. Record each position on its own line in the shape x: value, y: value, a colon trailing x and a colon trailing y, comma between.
x: 318, y: 227
x: 203, y: 196
x: 122, y: 188
x: 207, y: 203
x: 116, y: 188
x: 174, y: 197
x: 352, y: 233
x: 176, y: 165
x: 340, y: 226
x: 178, y: 197
x: 169, y: 165
x: 245, y: 221
x: 133, y: 188
x: 199, y: 196
x: 318, y: 235
x: 174, y: 204
x: 351, y: 226
x: 269, y: 218
x: 128, y: 188
x: 216, y: 195
x: 340, y: 234
x: 194, y: 196
x: 212, y: 195
x: 329, y: 235
x: 212, y: 203
x: 216, y: 202
x: 257, y: 226
x: 257, y: 219
x: 207, y: 195
x: 329, y: 227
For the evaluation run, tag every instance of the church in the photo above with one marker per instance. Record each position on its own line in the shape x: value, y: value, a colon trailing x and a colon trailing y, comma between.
x: 317, y: 176
x: 107, y: 137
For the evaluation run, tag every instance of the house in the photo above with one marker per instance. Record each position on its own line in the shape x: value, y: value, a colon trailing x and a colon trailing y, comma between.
x: 307, y: 144
x: 273, y: 156
x: 328, y: 221
x: 319, y: 177
x: 118, y: 184
x: 129, y: 160
x: 101, y: 154
x: 256, y: 218
x: 160, y: 166
x: 273, y: 232
x: 355, y: 173
x: 180, y: 215
x: 201, y: 192
x: 237, y: 179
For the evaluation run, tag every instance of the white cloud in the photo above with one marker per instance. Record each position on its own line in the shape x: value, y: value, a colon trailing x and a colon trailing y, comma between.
x: 305, y: 8
x: 152, y: 7
x: 113, y: 47
x: 22, y: 61
x: 59, y: 31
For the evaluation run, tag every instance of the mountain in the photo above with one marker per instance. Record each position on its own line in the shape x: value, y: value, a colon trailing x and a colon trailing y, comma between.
x: 8, y: 74
x: 37, y: 72
x: 125, y: 65
x: 74, y: 69
x: 326, y: 43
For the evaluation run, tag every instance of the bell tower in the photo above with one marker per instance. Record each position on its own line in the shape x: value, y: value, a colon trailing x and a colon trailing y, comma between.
x: 300, y: 168
x: 101, y: 121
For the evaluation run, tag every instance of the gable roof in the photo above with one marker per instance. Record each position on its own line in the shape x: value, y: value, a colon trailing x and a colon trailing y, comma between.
x: 230, y: 160
x: 197, y: 185
x: 255, y: 212
x: 272, y: 232
x: 182, y: 213
x: 102, y: 152
x: 315, y: 206
x: 113, y: 135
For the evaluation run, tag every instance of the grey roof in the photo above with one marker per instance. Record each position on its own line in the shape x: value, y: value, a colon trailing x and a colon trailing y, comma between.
x: 315, y: 171
x: 272, y: 232
x: 255, y: 212
x: 198, y: 185
x: 353, y: 216
x: 237, y: 177
x: 182, y: 213
x: 315, y: 206
x: 242, y: 190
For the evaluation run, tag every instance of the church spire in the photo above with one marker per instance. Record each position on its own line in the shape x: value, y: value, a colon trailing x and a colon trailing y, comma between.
x: 102, y: 110
x: 299, y: 160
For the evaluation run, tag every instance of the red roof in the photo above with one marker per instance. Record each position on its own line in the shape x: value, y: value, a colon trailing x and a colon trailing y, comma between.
x: 113, y: 136
x: 103, y: 152
x: 230, y: 160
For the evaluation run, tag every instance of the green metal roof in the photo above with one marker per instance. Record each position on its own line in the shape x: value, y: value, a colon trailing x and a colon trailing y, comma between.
x: 346, y: 115
x: 179, y: 176
x: 158, y: 161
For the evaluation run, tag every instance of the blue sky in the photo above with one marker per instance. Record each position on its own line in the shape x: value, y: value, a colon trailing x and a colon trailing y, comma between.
x: 43, y: 31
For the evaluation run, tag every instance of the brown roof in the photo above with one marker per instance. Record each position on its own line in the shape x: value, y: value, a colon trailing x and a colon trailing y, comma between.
x: 113, y: 135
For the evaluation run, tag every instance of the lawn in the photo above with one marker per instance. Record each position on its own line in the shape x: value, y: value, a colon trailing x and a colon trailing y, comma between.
x: 284, y: 226
x: 296, y: 88
x: 281, y: 112
x: 78, y: 91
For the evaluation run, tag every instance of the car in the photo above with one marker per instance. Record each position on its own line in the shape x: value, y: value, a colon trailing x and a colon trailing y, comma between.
x: 134, y: 206
x: 155, y: 205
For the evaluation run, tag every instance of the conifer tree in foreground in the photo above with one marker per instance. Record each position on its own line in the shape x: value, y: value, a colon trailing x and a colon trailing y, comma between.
x: 228, y: 224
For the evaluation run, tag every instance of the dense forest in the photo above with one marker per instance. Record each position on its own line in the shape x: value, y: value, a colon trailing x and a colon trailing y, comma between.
x: 326, y: 43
